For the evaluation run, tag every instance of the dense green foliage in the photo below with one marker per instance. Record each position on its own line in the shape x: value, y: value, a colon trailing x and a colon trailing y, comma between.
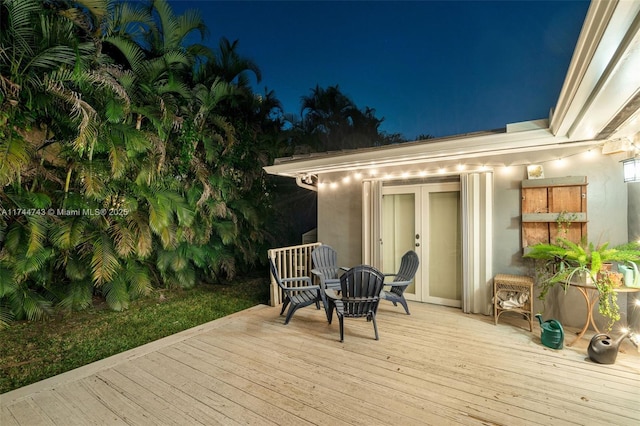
x: 131, y: 157
x: 35, y: 350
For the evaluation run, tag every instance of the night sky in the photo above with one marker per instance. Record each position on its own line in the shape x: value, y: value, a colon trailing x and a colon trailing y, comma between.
x: 427, y: 67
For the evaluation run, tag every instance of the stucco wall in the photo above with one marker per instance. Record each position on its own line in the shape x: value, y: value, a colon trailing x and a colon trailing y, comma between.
x: 340, y: 218
x: 606, y: 215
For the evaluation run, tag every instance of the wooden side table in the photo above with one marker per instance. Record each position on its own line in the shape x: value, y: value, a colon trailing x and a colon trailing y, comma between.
x: 518, y: 285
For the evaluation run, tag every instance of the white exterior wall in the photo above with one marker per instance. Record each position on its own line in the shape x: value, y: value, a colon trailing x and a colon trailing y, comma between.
x: 340, y: 216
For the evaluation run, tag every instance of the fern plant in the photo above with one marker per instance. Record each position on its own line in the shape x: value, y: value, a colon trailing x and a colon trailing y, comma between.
x: 566, y: 261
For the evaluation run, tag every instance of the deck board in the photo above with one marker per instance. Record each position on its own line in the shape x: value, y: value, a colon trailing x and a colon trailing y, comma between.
x: 437, y: 366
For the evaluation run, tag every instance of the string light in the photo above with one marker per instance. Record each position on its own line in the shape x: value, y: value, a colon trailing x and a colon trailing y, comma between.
x: 373, y: 173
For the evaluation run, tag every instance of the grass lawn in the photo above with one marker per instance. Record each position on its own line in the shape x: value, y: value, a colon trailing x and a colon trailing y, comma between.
x: 33, y: 351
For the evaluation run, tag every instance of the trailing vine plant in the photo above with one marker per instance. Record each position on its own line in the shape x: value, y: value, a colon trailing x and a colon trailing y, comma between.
x: 564, y: 221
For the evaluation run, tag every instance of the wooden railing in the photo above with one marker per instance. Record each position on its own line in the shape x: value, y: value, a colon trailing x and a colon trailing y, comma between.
x: 294, y: 261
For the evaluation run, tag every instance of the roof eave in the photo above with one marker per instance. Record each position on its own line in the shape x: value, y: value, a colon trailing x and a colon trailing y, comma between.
x: 428, y: 151
x: 601, y: 92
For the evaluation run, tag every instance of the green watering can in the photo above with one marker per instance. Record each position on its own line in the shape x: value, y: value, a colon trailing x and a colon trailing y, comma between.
x: 552, y: 334
x: 630, y: 274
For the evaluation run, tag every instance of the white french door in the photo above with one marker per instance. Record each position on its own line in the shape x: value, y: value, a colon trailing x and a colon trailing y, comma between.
x: 425, y: 218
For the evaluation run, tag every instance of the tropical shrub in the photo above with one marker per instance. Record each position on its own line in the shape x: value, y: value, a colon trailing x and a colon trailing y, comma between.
x: 126, y: 162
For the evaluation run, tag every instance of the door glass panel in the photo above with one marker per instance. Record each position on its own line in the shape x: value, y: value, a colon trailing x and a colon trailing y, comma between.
x: 445, y: 275
x: 398, y: 231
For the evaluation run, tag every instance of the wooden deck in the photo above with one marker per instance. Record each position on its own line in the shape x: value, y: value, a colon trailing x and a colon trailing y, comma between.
x: 437, y: 366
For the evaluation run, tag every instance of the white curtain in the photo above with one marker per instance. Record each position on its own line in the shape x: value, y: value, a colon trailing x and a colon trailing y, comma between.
x: 477, y: 244
x: 371, y: 209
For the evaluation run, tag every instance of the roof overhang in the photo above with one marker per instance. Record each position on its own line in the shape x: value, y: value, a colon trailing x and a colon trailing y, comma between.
x: 536, y: 137
x: 600, y: 97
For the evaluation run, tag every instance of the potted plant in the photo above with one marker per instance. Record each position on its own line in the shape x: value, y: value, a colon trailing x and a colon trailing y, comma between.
x: 566, y: 262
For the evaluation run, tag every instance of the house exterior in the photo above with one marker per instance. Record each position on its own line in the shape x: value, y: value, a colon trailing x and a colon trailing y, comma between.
x: 457, y: 200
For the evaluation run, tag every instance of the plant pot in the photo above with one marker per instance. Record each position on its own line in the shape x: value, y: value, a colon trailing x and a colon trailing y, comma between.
x: 582, y: 278
x: 614, y: 278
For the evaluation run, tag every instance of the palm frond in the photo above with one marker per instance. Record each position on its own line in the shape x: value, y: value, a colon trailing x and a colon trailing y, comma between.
x: 37, y: 226
x: 54, y: 58
x: 186, y: 278
x: 80, y: 110
x: 20, y: 31
x: 92, y: 180
x: 227, y: 230
x: 26, y: 265
x: 118, y: 159
x: 168, y: 236
x: 77, y: 269
x: 189, y: 21
x: 15, y: 155
x: 8, y: 283
x: 139, y: 225
x: 129, y: 19
x: 123, y: 238
x: 138, y: 279
x: 6, y: 315
x: 77, y: 295
x: 26, y: 303
x: 68, y: 232
x: 131, y: 51
x: 104, y: 262
x: 116, y: 294
x: 38, y: 200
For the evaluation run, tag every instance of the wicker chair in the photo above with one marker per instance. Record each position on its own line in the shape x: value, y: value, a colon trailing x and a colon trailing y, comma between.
x: 359, y: 296
x: 297, y: 296
x: 407, y: 271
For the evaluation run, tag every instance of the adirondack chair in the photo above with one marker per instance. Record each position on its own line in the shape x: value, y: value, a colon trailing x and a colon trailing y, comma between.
x: 297, y: 296
x: 325, y: 267
x: 359, y: 296
x: 407, y: 271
